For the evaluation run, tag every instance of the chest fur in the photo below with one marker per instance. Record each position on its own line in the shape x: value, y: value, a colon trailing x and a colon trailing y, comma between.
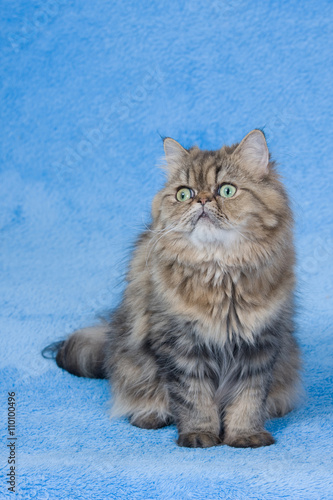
x: 222, y: 304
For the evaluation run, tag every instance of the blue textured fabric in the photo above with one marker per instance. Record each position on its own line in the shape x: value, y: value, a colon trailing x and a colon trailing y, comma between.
x: 86, y: 91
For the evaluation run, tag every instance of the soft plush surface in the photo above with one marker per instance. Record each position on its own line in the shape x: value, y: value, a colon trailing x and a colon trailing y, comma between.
x: 87, y: 88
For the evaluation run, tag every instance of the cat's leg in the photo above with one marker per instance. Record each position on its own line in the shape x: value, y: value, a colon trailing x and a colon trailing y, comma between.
x: 286, y: 390
x: 139, y: 393
x: 245, y: 416
x: 195, y: 411
x: 246, y: 412
x: 191, y: 372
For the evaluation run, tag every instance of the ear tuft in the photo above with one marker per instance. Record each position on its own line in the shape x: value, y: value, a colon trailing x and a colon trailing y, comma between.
x: 253, y: 153
x: 174, y: 152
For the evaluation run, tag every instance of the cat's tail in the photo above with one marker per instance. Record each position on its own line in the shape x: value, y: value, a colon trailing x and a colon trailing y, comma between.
x: 83, y: 353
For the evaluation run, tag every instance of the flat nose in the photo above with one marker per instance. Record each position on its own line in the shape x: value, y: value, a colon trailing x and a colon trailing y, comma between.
x: 203, y: 198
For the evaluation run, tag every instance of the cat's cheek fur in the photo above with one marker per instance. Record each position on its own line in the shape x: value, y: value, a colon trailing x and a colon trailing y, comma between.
x: 204, y: 334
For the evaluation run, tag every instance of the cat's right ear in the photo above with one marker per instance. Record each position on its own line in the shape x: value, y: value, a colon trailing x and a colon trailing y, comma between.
x: 174, y: 154
x: 253, y: 153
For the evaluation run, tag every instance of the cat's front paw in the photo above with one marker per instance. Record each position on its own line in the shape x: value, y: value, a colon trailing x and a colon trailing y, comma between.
x: 256, y: 440
x: 198, y: 440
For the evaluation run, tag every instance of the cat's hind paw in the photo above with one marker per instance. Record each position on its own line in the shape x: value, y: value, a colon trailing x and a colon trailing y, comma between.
x: 151, y: 421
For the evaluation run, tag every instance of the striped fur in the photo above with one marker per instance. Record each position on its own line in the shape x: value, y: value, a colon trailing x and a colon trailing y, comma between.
x: 204, y: 334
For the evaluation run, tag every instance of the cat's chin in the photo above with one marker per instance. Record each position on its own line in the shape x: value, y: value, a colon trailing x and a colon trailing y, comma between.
x: 207, y: 233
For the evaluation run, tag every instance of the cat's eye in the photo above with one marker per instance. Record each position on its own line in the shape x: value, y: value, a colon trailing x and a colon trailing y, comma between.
x: 227, y: 190
x: 184, y: 194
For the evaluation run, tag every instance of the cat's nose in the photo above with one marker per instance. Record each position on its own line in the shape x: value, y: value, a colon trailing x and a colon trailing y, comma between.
x: 204, y: 198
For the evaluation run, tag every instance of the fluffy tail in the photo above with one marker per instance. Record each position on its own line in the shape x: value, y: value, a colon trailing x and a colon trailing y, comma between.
x: 83, y: 353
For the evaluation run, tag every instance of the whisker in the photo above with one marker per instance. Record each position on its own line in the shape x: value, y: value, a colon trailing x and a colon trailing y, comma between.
x: 237, y: 230
x: 160, y: 233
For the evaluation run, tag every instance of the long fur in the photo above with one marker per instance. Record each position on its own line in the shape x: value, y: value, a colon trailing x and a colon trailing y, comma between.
x: 204, y: 334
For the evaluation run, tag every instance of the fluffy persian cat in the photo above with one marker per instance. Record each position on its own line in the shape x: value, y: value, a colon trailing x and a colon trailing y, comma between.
x: 203, y: 337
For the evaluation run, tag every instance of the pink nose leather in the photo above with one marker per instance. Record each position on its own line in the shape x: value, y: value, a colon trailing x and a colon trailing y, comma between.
x: 203, y: 200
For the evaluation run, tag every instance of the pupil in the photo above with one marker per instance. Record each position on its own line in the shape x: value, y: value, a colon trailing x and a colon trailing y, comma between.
x: 227, y: 191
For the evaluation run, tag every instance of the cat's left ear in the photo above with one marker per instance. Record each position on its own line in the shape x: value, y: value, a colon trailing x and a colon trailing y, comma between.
x: 174, y: 153
x: 253, y: 153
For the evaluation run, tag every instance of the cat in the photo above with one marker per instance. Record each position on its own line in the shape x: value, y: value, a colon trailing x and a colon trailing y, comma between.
x: 203, y: 337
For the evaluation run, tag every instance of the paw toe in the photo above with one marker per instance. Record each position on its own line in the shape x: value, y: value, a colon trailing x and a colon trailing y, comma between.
x: 198, y: 440
x: 256, y: 440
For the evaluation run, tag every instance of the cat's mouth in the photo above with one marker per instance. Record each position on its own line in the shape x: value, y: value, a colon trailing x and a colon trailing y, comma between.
x: 204, y: 217
x: 208, y: 219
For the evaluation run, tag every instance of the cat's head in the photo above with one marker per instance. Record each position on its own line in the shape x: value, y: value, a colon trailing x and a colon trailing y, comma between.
x: 221, y: 198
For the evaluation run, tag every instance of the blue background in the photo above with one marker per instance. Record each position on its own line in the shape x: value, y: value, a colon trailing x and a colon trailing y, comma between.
x: 87, y: 88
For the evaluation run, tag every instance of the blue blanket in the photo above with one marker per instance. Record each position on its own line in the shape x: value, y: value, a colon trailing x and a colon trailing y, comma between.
x: 87, y: 89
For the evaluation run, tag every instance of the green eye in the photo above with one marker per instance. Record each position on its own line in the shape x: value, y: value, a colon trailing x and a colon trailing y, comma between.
x: 184, y: 194
x: 227, y: 190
